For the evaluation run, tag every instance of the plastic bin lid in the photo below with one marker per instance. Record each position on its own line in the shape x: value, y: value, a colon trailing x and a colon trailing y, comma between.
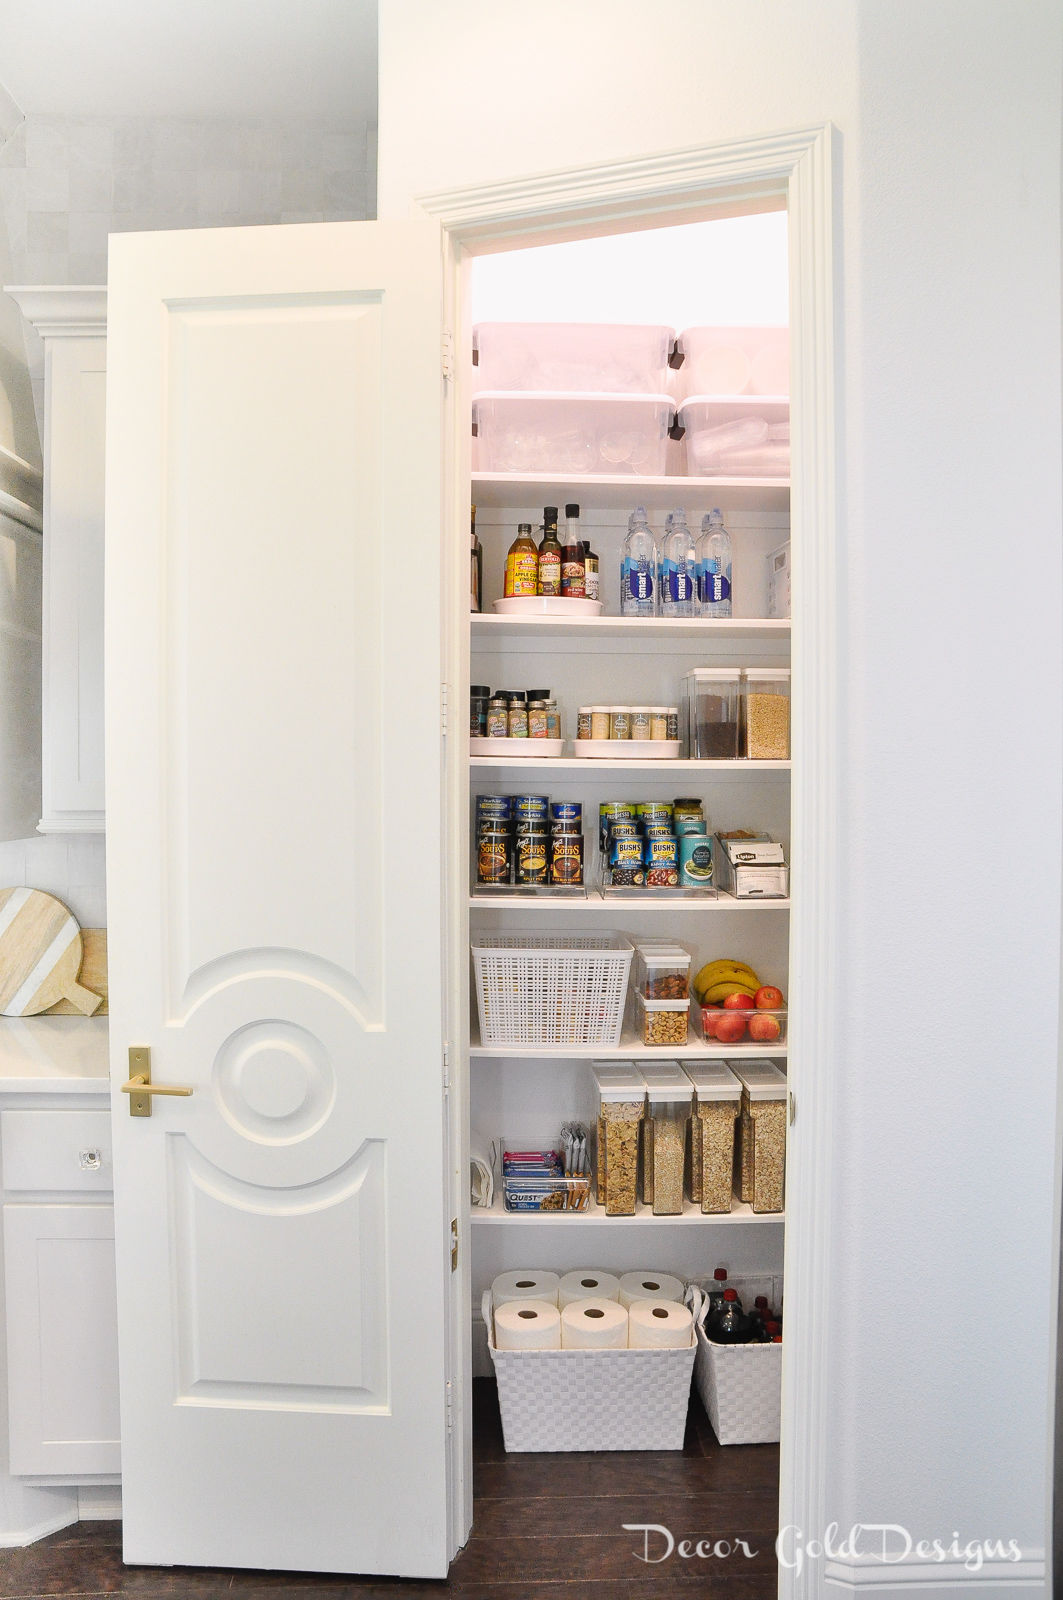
x: 666, y: 1080
x: 751, y: 403
x: 607, y: 329
x: 609, y: 397
x: 763, y: 673
x: 762, y: 1080
x: 671, y: 955
x: 714, y: 1080
x: 663, y: 1005
x: 618, y: 1080
x: 699, y: 674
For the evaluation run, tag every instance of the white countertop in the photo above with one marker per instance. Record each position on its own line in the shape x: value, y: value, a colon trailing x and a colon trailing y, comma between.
x: 53, y: 1055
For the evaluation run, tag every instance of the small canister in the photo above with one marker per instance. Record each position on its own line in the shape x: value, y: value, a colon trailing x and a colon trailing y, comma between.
x: 494, y: 856
x: 583, y: 722
x: 672, y: 714
x: 640, y: 722
x: 538, y: 727
x: 566, y: 858
x: 553, y: 720
x: 532, y: 862
x: 599, y: 722
x: 479, y: 699
x: 498, y: 718
x: 532, y: 808
x: 566, y: 811
x: 695, y: 861
x: 658, y: 722
x: 620, y: 722
x: 518, y: 719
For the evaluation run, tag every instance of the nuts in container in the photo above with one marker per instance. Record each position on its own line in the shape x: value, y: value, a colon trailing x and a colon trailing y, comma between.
x: 662, y: 1022
x: 662, y: 971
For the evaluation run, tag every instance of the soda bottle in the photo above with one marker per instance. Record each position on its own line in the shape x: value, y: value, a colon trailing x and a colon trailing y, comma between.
x: 729, y: 1324
x: 715, y: 1294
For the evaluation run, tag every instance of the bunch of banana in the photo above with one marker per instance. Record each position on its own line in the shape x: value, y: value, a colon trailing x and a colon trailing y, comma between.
x: 718, y: 979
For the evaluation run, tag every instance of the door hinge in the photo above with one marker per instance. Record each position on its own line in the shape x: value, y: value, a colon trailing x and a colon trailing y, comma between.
x: 793, y: 1109
x: 448, y: 356
x: 450, y: 1406
x: 446, y: 1069
x: 444, y: 708
x: 454, y: 1244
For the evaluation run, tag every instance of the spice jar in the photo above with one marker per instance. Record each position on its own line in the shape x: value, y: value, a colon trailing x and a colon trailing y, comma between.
x: 670, y: 1094
x: 518, y: 717
x: 767, y: 708
x: 658, y: 722
x: 553, y: 720
x: 760, y: 1163
x: 718, y: 1096
x: 672, y: 714
x: 537, y: 720
x: 498, y: 718
x: 479, y: 698
x: 619, y: 722
x: 599, y: 722
x: 640, y: 722
x: 713, y: 696
x: 621, y: 1092
x: 583, y: 722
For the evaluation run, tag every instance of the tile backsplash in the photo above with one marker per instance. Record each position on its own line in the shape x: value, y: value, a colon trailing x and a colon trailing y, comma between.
x: 70, y: 866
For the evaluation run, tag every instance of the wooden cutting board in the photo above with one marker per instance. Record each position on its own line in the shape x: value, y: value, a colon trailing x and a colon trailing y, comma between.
x: 40, y: 955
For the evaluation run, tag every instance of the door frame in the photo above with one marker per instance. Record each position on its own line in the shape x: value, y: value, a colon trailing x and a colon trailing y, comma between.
x: 797, y: 167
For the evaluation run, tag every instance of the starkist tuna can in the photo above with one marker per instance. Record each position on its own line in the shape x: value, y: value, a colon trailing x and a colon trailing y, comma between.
x: 492, y: 806
x: 531, y: 808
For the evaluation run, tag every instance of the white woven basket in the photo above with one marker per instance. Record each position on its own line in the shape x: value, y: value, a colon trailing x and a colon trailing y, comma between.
x: 592, y: 1399
x: 740, y: 1387
x: 551, y: 988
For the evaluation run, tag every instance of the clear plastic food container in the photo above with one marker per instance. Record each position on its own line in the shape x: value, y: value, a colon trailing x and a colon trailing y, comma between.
x: 621, y: 1091
x: 670, y: 1095
x: 722, y: 1025
x: 760, y: 1156
x: 736, y: 438
x: 712, y: 1134
x: 573, y: 433
x: 767, y: 713
x: 662, y: 1022
x: 735, y: 360
x: 608, y: 357
x: 713, y: 709
x: 662, y: 972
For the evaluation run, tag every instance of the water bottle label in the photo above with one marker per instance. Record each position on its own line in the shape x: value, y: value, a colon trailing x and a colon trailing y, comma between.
x: 679, y: 590
x: 640, y: 581
x: 714, y: 586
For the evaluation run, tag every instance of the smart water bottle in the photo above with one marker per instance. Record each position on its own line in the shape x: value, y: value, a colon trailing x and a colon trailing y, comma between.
x: 677, y: 599
x: 638, y: 568
x: 714, y: 567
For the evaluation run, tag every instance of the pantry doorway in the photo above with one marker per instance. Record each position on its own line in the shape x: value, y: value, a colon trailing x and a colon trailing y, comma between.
x: 792, y: 172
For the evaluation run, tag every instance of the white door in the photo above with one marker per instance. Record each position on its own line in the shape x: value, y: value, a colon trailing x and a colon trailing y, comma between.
x: 274, y: 894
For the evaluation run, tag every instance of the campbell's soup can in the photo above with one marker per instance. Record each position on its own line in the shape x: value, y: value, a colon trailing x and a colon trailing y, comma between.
x: 494, y: 856
x: 566, y: 858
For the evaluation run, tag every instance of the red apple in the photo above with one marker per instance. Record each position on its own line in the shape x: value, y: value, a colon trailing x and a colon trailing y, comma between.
x: 768, y: 998
x: 730, y: 1028
x: 764, y: 1028
x: 738, y: 1002
x: 710, y: 1016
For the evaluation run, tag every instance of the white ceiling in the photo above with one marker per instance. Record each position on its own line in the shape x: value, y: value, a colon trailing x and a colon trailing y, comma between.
x: 242, y: 59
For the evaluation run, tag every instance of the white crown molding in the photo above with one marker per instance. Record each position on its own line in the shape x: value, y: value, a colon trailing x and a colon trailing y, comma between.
x: 58, y: 311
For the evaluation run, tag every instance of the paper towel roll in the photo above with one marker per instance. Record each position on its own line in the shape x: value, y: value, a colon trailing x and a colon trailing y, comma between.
x: 649, y: 1286
x: 528, y: 1285
x: 594, y: 1325
x: 660, y: 1325
x: 527, y: 1325
x: 587, y: 1284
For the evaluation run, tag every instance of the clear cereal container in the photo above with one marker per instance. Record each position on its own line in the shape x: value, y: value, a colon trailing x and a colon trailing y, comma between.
x: 662, y: 1022
x: 760, y: 1153
x: 767, y: 713
x: 614, y: 358
x: 713, y: 697
x: 621, y: 1091
x: 662, y: 972
x: 664, y: 1141
x: 712, y: 1134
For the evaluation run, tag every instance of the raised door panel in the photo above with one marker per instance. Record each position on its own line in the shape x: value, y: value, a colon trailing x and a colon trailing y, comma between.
x: 275, y: 894
x: 62, y: 1339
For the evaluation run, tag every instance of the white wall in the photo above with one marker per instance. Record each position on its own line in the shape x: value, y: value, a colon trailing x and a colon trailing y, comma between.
x: 948, y: 950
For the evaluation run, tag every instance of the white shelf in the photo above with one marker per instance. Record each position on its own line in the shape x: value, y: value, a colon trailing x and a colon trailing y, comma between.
x: 630, y: 1048
x: 683, y: 632
x: 572, y: 764
x: 622, y: 492
x: 497, y: 1216
x: 594, y: 900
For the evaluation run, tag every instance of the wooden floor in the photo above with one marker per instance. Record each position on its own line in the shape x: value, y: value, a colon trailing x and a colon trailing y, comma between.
x: 546, y: 1528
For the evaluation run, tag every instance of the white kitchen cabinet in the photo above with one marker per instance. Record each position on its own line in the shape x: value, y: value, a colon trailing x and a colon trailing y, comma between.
x: 72, y: 323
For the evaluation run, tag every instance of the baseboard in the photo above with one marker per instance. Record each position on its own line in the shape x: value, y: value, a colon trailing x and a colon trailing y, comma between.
x: 943, y: 1580
x: 38, y: 1530
x: 100, y: 1502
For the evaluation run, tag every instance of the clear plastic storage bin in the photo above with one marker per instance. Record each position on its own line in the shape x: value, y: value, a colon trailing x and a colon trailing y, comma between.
x: 712, y: 1134
x: 606, y: 357
x: 735, y: 360
x: 722, y: 1025
x: 713, y: 710
x: 767, y: 713
x: 613, y: 434
x: 779, y: 581
x: 760, y: 1153
x: 662, y: 972
x: 736, y: 438
x: 662, y: 1022
x: 670, y: 1094
x: 621, y: 1091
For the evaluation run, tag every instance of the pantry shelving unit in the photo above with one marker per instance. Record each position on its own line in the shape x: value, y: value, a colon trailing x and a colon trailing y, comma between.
x: 528, y: 1091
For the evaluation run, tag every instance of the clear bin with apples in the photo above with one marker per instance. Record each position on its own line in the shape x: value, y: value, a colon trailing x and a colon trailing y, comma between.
x: 747, y: 1015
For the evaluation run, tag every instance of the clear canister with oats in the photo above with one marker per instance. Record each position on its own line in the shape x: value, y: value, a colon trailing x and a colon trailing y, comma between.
x: 718, y: 1097
x: 621, y: 1092
x: 669, y: 1094
x: 766, y: 696
x: 760, y: 1153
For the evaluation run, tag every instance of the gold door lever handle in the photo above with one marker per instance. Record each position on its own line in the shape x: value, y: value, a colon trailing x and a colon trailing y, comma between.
x: 140, y: 1088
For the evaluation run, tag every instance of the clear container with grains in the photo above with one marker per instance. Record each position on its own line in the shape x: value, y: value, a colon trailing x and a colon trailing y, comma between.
x: 712, y: 1134
x: 658, y: 722
x: 620, y: 722
x: 661, y: 1021
x: 640, y: 722
x: 621, y: 1091
x: 760, y: 1145
x: 584, y: 722
x: 664, y: 1141
x: 662, y: 972
x: 713, y: 697
x: 767, y: 713
x: 600, y: 719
